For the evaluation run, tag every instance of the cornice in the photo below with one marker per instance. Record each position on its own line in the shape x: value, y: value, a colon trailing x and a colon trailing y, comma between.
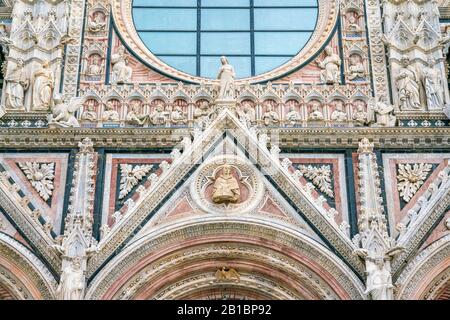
x: 288, y: 137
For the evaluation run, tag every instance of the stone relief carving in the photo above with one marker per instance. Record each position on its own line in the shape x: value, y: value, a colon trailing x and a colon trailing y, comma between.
x: 226, y: 188
x: 227, y: 274
x: 411, y: 176
x: 41, y: 177
x: 433, y: 84
x: 72, y: 283
x: 331, y: 67
x: 316, y: 113
x: 96, y: 22
x: 42, y: 86
x: 16, y: 84
x: 356, y: 70
x: 5, y: 41
x: 134, y: 116
x: 110, y: 113
x: 411, y: 29
x: 338, y: 114
x: 121, y: 72
x: 130, y: 176
x: 89, y: 114
x: 380, y: 114
x: 270, y: 117
x: 407, y: 83
x: 360, y: 115
x: 320, y: 176
x: 63, y: 114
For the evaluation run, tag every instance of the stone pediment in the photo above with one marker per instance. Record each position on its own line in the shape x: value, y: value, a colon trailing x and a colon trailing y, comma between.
x: 193, y: 158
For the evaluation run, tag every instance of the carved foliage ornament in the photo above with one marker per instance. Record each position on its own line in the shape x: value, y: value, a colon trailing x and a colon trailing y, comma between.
x: 41, y: 176
x: 320, y: 176
x: 410, y: 178
x: 130, y: 176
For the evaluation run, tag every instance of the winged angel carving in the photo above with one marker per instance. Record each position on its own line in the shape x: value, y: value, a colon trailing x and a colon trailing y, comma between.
x: 63, y: 114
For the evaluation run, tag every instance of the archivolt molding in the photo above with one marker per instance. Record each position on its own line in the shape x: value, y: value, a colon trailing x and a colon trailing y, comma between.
x: 18, y: 262
x: 212, y: 239
x: 123, y: 19
x: 428, y: 215
x: 425, y: 271
x: 27, y: 220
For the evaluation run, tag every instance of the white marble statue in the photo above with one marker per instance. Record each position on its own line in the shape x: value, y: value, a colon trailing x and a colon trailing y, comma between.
x: 407, y: 83
x: 159, y: 116
x: 96, y: 22
x: 246, y: 114
x: 203, y: 114
x: 226, y: 76
x: 110, y: 113
x: 432, y: 83
x: 121, y: 72
x: 89, y: 114
x: 360, y: 116
x: 42, y: 85
x: 293, y: 116
x: 356, y: 69
x: 177, y: 116
x: 16, y: 84
x: 330, y: 66
x: 379, y: 280
x: 134, y: 117
x: 316, y: 114
x: 380, y: 114
x: 270, y: 117
x: 72, y: 284
x: 5, y: 41
x: 94, y: 68
x: 338, y: 114
x: 63, y: 113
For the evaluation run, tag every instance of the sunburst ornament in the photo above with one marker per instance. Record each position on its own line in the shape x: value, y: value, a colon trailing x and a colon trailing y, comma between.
x: 410, y: 178
x: 41, y: 176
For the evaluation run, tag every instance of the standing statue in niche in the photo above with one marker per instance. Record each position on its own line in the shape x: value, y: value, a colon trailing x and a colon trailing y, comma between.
x: 121, y: 72
x: 379, y: 280
x: 433, y: 86
x: 5, y: 42
x: 330, y: 66
x: 72, y: 283
x: 407, y: 84
x: 16, y: 84
x: 226, y: 76
x: 226, y: 187
x: 42, y: 84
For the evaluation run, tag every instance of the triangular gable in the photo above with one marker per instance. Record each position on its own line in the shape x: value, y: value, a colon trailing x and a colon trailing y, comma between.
x: 41, y: 177
x: 183, y: 205
x: 226, y: 124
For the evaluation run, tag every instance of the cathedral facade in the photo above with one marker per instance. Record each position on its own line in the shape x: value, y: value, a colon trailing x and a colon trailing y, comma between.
x: 225, y: 149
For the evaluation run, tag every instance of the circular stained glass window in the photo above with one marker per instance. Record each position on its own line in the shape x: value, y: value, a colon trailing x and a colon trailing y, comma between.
x: 257, y: 36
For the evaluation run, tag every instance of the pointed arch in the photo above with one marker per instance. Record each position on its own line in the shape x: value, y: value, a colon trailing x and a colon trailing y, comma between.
x: 180, y: 262
x: 23, y: 275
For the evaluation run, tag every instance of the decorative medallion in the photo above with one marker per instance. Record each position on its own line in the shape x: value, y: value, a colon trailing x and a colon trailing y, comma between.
x: 227, y: 184
x: 411, y: 177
